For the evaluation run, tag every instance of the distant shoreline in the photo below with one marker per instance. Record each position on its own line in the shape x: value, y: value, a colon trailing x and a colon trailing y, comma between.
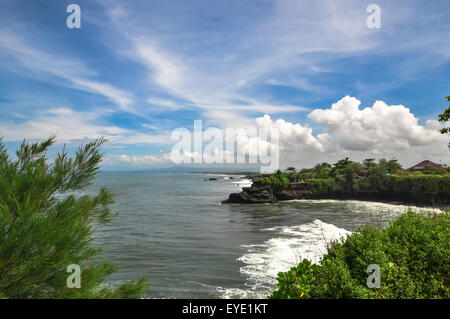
x: 181, y: 172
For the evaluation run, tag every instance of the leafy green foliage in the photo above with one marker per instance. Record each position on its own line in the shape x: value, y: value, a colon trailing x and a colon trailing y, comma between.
x: 444, y: 117
x: 369, y: 163
x: 46, y: 224
x: 291, y: 174
x: 293, y: 286
x: 386, y: 178
x: 413, y: 186
x: 324, y: 185
x: 278, y: 180
x: 413, y: 254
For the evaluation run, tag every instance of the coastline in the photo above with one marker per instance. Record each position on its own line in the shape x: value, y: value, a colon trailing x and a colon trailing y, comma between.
x: 264, y: 194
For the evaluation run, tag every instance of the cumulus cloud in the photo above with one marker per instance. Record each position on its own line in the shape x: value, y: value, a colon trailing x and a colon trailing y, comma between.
x: 377, y: 128
x: 380, y: 131
x: 251, y: 145
x: 292, y: 136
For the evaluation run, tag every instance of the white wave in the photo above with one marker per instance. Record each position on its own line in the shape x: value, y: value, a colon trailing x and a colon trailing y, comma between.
x: 264, y: 261
x: 236, y: 293
x: 244, y: 183
x: 365, y: 206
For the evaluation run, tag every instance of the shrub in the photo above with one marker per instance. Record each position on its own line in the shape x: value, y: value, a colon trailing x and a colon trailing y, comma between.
x: 278, y: 180
x: 324, y: 186
x: 413, y: 254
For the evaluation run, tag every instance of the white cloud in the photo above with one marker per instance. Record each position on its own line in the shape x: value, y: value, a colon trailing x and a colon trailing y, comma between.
x: 142, y: 160
x: 377, y: 128
x: 71, y: 126
x: 167, y: 71
x: 380, y: 131
x: 166, y: 105
x: 119, y: 97
x: 215, y: 83
x: 68, y: 124
x: 293, y: 137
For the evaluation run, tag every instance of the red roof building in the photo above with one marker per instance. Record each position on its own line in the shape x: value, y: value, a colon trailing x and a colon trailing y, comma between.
x: 425, y: 164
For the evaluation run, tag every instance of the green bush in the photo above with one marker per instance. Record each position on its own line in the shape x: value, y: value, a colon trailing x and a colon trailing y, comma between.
x: 413, y: 254
x: 324, y: 186
x: 278, y: 180
x: 46, y: 225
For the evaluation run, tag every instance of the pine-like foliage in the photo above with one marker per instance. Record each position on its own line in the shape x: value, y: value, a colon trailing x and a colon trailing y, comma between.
x: 46, y: 224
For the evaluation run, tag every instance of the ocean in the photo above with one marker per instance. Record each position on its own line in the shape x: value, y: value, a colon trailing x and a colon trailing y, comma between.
x: 173, y: 229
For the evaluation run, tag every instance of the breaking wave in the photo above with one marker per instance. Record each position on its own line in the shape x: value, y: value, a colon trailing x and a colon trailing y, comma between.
x: 292, y: 244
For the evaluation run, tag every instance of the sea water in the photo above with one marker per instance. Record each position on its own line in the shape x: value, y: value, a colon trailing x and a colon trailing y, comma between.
x: 173, y: 229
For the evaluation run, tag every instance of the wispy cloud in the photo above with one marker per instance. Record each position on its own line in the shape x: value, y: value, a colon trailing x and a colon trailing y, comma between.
x: 287, y: 43
x: 149, y: 67
x: 73, y: 71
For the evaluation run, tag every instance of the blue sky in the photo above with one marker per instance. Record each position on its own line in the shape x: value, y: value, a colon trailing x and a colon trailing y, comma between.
x: 136, y: 70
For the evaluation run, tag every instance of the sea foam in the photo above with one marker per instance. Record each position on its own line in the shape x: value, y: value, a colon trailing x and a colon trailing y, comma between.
x: 291, y: 244
x: 243, y: 183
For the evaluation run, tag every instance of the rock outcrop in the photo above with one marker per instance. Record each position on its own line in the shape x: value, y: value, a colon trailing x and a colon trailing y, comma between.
x: 257, y: 194
x: 262, y: 193
x: 295, y: 191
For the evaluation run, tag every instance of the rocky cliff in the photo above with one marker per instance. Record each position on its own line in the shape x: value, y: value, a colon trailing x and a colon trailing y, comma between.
x: 261, y: 193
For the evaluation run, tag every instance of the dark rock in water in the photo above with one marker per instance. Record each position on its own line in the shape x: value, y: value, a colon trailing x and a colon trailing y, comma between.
x: 231, y: 177
x: 253, y: 195
x: 262, y: 193
x: 213, y: 179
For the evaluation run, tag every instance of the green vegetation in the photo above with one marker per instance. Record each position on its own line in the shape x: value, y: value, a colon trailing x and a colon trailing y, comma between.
x: 445, y: 117
x: 348, y: 170
x: 413, y: 254
x: 277, y: 180
x: 46, y: 224
x: 406, y: 186
x: 387, y: 178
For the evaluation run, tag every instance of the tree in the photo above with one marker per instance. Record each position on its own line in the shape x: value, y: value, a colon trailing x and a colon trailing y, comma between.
x: 445, y: 117
x: 341, y: 164
x: 277, y: 180
x: 292, y: 173
x: 369, y: 163
x: 322, y: 170
x: 348, y: 169
x: 46, y: 224
x: 349, y: 172
x: 322, y: 166
x: 393, y: 166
